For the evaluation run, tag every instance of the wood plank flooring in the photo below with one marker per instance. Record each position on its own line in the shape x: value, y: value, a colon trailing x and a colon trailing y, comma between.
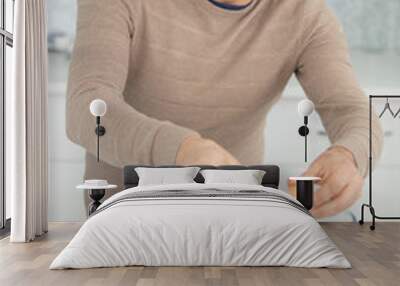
x: 375, y: 257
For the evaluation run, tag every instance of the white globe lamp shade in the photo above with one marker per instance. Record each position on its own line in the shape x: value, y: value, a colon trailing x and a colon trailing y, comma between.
x: 305, y: 107
x: 98, y: 107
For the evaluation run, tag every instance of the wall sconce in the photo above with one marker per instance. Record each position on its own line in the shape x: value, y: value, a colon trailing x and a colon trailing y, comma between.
x: 98, y: 108
x: 305, y: 108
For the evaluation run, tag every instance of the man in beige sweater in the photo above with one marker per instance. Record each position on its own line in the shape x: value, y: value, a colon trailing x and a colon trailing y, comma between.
x: 191, y: 81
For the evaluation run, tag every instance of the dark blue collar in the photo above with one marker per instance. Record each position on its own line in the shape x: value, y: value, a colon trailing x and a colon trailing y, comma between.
x: 229, y: 6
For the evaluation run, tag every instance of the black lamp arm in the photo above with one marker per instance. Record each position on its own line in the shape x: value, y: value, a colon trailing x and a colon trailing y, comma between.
x: 304, y: 131
x: 100, y: 131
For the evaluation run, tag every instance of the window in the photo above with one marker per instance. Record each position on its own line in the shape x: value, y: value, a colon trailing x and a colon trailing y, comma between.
x: 6, y: 44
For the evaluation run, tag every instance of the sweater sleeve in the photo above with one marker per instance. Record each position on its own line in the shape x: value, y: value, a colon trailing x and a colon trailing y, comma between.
x: 325, y: 72
x: 99, y: 69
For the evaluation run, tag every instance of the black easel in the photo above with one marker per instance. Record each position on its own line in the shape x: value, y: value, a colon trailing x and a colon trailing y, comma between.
x: 370, y: 205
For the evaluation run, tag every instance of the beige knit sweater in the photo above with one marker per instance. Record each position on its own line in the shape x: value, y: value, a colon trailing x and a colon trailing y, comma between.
x: 170, y: 68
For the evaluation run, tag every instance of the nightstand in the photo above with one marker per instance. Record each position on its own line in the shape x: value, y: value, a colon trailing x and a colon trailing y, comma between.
x: 97, y: 189
x: 305, y: 190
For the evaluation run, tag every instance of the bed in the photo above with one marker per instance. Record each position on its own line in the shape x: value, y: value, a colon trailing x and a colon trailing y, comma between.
x: 201, y: 224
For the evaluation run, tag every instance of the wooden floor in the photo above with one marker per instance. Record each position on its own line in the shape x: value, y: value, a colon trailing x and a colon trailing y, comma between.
x: 375, y: 257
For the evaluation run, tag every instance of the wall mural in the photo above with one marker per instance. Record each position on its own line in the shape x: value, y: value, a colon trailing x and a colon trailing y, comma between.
x: 372, y: 30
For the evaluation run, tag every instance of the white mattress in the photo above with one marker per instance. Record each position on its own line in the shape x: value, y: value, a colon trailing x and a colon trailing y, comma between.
x: 200, y: 231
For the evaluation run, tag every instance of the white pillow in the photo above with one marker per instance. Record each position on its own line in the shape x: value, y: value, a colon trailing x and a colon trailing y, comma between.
x: 247, y: 177
x: 162, y: 176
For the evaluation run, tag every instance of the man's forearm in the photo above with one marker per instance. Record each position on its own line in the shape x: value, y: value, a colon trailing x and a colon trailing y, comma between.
x: 326, y: 74
x: 131, y: 137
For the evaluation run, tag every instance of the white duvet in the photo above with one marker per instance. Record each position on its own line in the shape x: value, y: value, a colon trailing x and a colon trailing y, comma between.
x: 203, y: 231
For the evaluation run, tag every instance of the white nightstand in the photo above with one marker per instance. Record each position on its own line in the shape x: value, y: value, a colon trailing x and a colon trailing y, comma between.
x: 97, y: 190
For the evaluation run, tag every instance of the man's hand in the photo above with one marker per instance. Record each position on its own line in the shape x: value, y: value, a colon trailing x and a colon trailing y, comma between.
x: 195, y: 150
x: 341, y: 184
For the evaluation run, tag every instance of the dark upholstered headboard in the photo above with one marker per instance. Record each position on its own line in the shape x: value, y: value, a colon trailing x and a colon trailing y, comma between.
x: 270, y: 179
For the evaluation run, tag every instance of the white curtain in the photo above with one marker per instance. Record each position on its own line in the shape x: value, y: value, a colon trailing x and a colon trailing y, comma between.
x: 26, y: 118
